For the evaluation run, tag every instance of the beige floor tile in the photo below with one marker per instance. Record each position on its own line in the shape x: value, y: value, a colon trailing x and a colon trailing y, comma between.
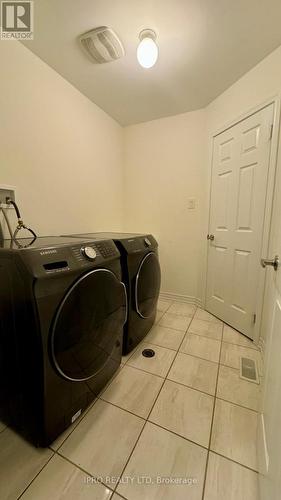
x: 163, y: 305
x: 20, y: 462
x: 158, y: 365
x: 161, y: 454
x: 194, y: 372
x: 129, y: 355
x: 175, y: 321
x: 165, y: 337
x: 159, y: 315
x: 182, y: 309
x: 206, y: 316
x: 61, y: 480
x: 185, y: 411
x: 60, y: 439
x: 202, y: 347
x: 112, y: 378
x: 230, y: 355
x: 206, y: 328
x: 134, y: 390
x: 236, y: 390
x: 233, y: 337
x: 103, y: 441
x: 234, y: 433
x: 227, y: 480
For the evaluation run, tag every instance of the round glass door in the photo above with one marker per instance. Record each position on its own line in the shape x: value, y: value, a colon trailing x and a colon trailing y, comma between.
x: 148, y: 285
x: 88, y: 324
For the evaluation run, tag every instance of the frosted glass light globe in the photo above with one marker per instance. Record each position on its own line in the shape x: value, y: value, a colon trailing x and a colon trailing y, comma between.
x: 147, y: 52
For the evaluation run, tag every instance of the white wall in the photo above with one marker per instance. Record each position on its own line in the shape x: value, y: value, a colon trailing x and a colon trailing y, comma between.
x: 168, y: 160
x: 260, y: 83
x: 62, y: 152
x: 164, y: 167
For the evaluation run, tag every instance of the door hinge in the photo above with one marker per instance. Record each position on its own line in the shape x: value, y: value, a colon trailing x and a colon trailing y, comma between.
x: 254, y: 318
x: 271, y: 132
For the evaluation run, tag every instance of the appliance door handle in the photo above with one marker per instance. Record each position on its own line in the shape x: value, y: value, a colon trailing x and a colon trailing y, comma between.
x: 275, y: 263
x: 126, y: 300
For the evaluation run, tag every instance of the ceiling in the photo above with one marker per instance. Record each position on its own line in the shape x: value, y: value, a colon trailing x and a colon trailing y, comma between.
x: 204, y: 47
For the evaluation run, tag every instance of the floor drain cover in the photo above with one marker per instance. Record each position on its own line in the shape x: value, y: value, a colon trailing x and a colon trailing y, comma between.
x: 148, y: 353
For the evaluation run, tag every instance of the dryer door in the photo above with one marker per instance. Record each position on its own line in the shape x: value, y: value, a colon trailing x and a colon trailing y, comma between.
x: 87, y: 325
x: 147, y: 286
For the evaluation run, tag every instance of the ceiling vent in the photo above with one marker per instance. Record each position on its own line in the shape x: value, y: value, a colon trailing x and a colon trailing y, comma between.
x: 102, y: 45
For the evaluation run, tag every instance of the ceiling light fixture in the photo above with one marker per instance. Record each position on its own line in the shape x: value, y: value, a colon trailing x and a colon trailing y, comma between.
x: 147, y: 52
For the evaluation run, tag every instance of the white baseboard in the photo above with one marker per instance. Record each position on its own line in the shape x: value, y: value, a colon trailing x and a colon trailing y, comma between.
x: 263, y: 458
x: 181, y: 298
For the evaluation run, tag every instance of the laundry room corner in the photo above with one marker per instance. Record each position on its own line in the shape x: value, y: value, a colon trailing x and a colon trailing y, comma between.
x: 165, y: 173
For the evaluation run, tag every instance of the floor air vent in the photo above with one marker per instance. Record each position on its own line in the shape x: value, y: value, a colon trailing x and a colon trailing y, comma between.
x: 248, y: 370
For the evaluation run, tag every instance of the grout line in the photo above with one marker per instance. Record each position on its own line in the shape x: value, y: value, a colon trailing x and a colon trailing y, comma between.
x: 29, y: 484
x: 149, y: 413
x: 124, y: 409
x: 204, y: 336
x: 212, y: 423
x: 176, y: 329
x: 159, y: 345
x: 237, y: 404
x: 84, y: 470
x: 239, y: 345
x: 234, y: 368
x: 119, y: 369
x: 234, y: 461
x: 119, y: 494
x: 82, y: 418
x: 179, y: 435
x: 190, y: 387
x: 198, y: 357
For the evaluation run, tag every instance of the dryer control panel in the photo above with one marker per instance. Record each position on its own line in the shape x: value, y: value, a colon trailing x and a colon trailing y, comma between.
x: 139, y: 244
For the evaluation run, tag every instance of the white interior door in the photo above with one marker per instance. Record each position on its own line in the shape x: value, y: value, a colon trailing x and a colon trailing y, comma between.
x: 240, y: 170
x: 270, y: 440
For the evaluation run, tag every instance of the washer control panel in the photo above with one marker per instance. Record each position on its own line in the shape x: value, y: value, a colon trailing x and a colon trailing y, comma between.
x: 89, y: 252
x: 107, y: 249
x: 97, y: 251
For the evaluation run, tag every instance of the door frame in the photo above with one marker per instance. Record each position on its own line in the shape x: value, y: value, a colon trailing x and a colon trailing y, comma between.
x: 276, y: 101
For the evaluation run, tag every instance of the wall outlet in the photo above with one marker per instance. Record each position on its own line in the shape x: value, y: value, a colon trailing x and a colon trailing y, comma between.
x: 7, y: 191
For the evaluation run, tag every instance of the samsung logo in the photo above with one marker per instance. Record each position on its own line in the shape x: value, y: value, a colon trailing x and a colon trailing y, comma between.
x: 47, y: 252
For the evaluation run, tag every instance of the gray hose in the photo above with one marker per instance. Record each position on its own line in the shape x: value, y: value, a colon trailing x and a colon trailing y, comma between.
x: 7, y: 222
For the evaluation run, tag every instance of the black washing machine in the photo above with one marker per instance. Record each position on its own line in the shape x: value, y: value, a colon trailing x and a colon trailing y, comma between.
x: 62, y: 310
x: 142, y: 275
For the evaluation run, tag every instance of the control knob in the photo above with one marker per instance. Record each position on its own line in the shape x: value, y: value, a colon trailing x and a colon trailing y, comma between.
x: 147, y: 242
x: 89, y: 252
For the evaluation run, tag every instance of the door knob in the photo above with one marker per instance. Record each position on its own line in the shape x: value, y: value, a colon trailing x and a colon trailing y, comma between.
x: 271, y: 262
x: 210, y: 237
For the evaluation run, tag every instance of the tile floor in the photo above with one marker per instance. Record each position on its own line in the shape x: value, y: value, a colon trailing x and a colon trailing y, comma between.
x: 180, y: 425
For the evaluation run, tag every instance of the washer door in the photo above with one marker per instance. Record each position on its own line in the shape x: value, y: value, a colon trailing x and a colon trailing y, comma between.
x: 88, y: 324
x: 147, y: 286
